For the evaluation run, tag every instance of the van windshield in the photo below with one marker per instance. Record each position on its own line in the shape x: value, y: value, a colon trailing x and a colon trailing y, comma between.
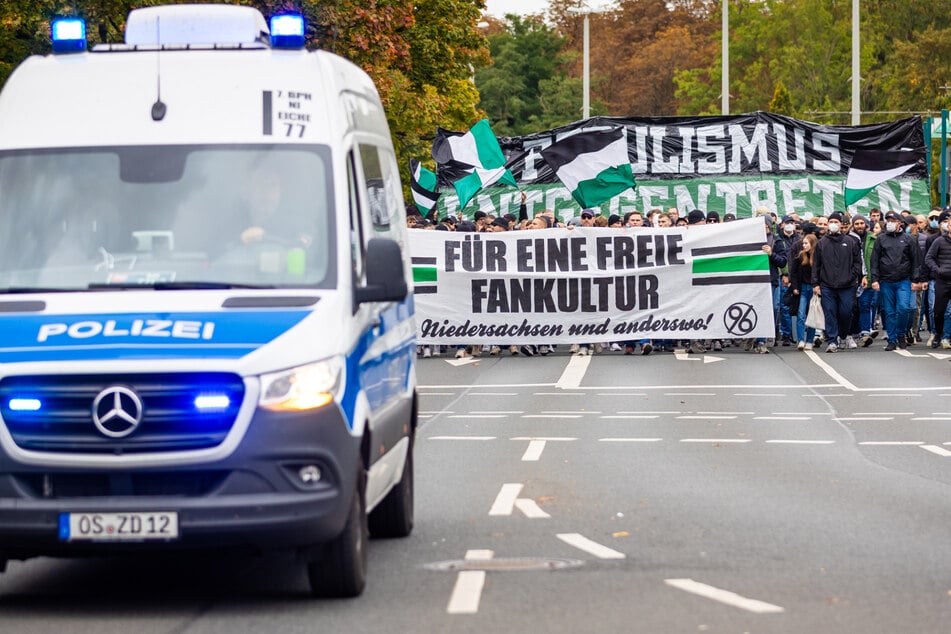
x: 166, y: 217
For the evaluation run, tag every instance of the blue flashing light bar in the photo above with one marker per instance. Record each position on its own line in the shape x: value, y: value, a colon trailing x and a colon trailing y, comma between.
x: 212, y: 402
x: 24, y: 404
x: 287, y: 30
x: 68, y: 35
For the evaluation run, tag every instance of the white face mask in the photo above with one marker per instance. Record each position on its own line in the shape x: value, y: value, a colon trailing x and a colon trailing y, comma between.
x: 891, y: 227
x: 789, y: 229
x: 944, y: 227
x: 834, y: 227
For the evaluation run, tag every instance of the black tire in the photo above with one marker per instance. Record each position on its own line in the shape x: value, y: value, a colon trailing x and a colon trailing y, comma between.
x: 393, y: 517
x: 341, y: 571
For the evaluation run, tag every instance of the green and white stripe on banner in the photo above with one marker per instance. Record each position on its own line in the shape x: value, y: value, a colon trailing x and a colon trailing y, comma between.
x: 468, y: 186
x: 870, y: 168
x: 594, y: 166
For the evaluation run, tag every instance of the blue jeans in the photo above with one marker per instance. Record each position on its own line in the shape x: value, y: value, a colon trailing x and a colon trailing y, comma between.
x: 785, y: 319
x: 868, y: 306
x: 837, y: 306
x: 899, y: 305
x: 803, y: 333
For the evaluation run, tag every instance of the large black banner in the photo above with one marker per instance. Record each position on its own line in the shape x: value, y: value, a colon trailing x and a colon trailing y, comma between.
x: 760, y: 143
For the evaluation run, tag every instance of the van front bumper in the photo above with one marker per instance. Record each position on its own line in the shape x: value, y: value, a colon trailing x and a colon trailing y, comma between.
x: 254, y: 499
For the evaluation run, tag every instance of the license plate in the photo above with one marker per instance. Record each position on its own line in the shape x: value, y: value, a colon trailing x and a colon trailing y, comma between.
x: 117, y: 527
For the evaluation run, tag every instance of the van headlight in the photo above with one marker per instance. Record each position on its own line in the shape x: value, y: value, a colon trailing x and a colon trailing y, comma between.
x: 302, y: 388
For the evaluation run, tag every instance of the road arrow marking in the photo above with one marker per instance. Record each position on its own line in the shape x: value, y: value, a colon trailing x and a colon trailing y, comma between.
x: 724, y: 596
x: 940, y: 451
x: 507, y: 500
x: 709, y: 358
x: 683, y: 356
x: 907, y: 353
x: 591, y: 547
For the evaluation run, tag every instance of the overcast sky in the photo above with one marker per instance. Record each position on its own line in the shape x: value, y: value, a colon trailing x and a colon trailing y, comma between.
x: 499, y: 8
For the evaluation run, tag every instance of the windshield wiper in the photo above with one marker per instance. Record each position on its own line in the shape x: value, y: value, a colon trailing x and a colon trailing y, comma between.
x: 187, y: 285
x: 22, y: 290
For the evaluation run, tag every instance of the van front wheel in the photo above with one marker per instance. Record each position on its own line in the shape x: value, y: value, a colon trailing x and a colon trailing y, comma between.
x: 341, y: 571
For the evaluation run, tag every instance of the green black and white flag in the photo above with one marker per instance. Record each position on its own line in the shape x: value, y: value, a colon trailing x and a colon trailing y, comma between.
x: 871, y: 168
x: 594, y: 166
x: 478, y: 152
x: 422, y: 182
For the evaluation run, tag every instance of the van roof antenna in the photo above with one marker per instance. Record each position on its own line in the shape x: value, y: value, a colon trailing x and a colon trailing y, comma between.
x: 158, y: 108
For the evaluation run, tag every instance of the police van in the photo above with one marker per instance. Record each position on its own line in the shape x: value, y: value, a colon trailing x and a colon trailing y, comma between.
x: 206, y: 334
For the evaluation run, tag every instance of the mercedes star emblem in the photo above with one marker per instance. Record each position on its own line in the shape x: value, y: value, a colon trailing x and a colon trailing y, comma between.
x: 117, y: 411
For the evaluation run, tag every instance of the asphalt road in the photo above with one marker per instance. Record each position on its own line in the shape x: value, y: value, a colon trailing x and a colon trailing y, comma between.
x: 789, y: 492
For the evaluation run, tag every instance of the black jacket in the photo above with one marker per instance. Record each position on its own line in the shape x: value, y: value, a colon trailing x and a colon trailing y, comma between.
x: 837, y: 262
x: 895, y: 257
x: 939, y: 259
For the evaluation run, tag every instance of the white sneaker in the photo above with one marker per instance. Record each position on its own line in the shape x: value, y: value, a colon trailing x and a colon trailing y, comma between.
x: 850, y: 343
x: 931, y: 340
x: 583, y: 351
x: 598, y: 348
x: 513, y: 350
x: 808, y: 346
x: 461, y: 353
x: 801, y: 345
x: 946, y: 344
x: 494, y: 351
x: 476, y: 351
x: 545, y: 350
x: 616, y: 347
x: 573, y: 349
x: 427, y: 352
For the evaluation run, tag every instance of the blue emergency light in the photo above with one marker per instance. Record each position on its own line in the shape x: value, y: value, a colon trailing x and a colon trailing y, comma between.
x: 212, y: 402
x: 24, y: 404
x: 68, y: 35
x: 287, y: 30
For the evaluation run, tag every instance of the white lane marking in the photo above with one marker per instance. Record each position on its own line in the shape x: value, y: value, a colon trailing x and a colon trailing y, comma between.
x: 801, y: 442
x: 883, y: 413
x: 478, y: 416
x: 568, y: 411
x: 505, y: 500
x: 945, y: 418
x: 630, y: 439
x: 492, y: 394
x: 462, y: 438
x: 690, y: 393
x: 629, y: 417
x: 782, y: 418
x: 531, y: 509
x: 910, y: 355
x: 894, y: 389
x: 731, y: 413
x: 836, y: 395
x: 534, y: 451
x: 559, y: 394
x: 574, y: 373
x: 891, y: 443
x: 461, y: 362
x: 706, y: 417
x: 487, y: 386
x: 828, y: 369
x: 626, y: 394
x: 801, y: 413
x: 942, y: 413
x: 777, y: 394
x: 861, y: 418
x: 591, y: 547
x: 724, y: 596
x: 712, y: 440
x: 494, y: 411
x: 647, y: 411
x: 441, y: 411
x: 941, y: 451
x: 551, y: 415
x: 437, y: 393
x: 467, y: 592
x: 425, y: 415
x: 550, y: 438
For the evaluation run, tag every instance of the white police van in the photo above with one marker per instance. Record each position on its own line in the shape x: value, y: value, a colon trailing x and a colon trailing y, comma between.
x: 206, y: 336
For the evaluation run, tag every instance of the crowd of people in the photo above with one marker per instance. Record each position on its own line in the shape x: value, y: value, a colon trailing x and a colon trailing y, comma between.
x: 887, y: 272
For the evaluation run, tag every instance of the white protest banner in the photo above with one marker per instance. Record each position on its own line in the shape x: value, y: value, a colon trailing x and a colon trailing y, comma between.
x: 592, y: 285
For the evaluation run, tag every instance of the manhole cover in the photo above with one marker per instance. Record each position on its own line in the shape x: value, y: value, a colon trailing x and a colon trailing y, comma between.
x: 505, y: 564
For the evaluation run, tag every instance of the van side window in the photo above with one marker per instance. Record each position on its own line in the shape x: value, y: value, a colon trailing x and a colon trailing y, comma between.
x: 357, y: 243
x: 380, y: 213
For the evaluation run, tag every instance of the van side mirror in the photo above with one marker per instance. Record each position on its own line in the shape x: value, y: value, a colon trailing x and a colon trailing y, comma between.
x: 386, y: 275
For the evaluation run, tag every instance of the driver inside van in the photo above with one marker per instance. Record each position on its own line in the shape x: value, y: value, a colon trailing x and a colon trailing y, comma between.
x: 270, y: 221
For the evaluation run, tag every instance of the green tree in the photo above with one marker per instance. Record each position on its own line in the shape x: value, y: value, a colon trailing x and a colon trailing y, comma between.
x: 781, y: 103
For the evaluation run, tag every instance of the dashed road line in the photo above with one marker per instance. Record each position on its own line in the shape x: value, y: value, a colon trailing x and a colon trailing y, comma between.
x: 850, y: 419
x: 591, y: 547
x: 789, y: 418
x: 493, y: 411
x: 690, y: 394
x: 478, y: 416
x: 801, y: 442
x: 724, y: 596
x: 762, y: 394
x: 493, y: 394
x: 717, y: 440
x: 549, y: 438
x: 891, y: 443
x: 630, y: 417
x: 568, y: 411
x: 706, y: 417
x: 467, y: 593
x: 728, y: 413
x: 630, y: 439
x: 551, y: 415
x: 883, y: 413
x: 937, y: 418
x: 647, y: 411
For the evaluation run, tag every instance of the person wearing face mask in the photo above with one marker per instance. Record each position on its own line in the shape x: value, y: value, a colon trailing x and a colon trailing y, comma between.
x: 836, y: 272
x: 942, y: 335
x: 896, y: 272
x: 938, y: 262
x: 868, y: 300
